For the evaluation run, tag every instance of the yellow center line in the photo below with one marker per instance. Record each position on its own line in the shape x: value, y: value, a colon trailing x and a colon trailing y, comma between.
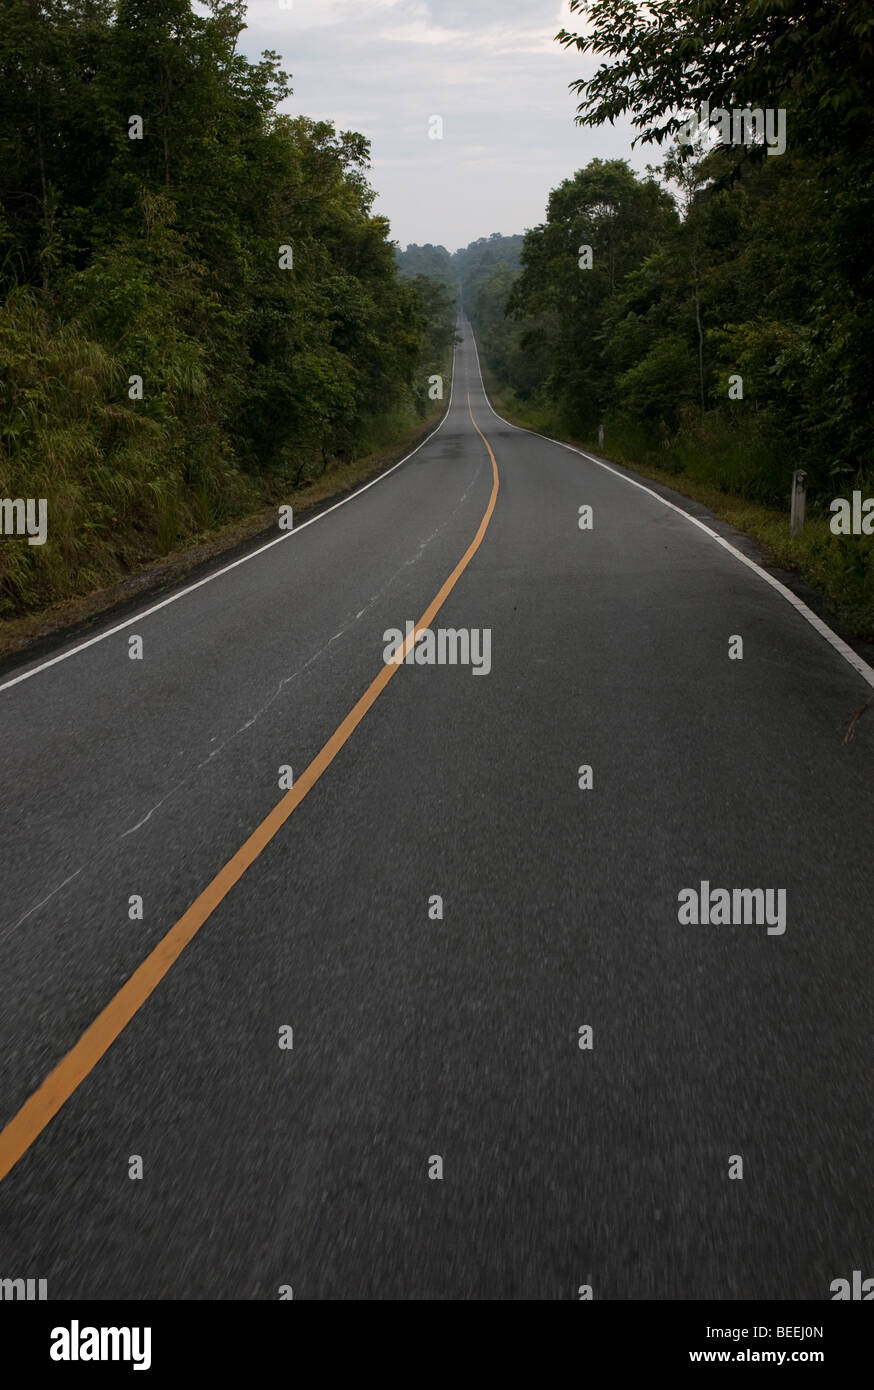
x: 59, y: 1085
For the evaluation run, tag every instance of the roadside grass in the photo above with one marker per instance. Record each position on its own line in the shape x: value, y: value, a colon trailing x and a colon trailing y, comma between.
x: 88, y: 592
x: 133, y: 484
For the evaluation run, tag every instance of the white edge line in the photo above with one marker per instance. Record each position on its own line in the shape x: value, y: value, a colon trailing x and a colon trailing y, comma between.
x: 860, y: 666
x: 189, y: 588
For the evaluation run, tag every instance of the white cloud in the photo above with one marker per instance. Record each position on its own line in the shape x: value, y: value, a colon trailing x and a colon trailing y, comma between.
x: 490, y: 68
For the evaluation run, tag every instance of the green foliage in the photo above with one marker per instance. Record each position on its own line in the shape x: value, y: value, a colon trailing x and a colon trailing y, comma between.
x: 159, y: 258
x: 724, y: 262
x: 659, y: 383
x: 668, y: 56
x: 481, y: 258
x: 754, y: 279
x: 564, y: 309
x: 434, y: 262
x: 769, y: 272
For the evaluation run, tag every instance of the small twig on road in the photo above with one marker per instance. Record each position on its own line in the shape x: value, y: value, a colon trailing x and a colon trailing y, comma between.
x: 854, y: 719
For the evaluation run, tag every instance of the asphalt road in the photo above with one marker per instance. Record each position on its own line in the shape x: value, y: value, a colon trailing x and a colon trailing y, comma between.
x: 412, y: 1038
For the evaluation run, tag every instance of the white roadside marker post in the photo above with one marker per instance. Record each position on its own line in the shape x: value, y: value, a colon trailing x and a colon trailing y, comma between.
x: 799, y: 502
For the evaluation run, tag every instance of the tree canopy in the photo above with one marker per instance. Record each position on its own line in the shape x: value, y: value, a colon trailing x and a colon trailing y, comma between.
x: 198, y: 307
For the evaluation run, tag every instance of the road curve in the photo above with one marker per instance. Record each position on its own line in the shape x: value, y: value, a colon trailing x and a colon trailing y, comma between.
x: 416, y: 1037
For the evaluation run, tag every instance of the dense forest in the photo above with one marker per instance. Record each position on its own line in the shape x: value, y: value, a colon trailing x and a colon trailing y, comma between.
x: 481, y: 276
x: 720, y: 325
x: 199, y: 311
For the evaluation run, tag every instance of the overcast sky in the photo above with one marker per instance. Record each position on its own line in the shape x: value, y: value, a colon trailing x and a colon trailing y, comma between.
x: 490, y: 68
